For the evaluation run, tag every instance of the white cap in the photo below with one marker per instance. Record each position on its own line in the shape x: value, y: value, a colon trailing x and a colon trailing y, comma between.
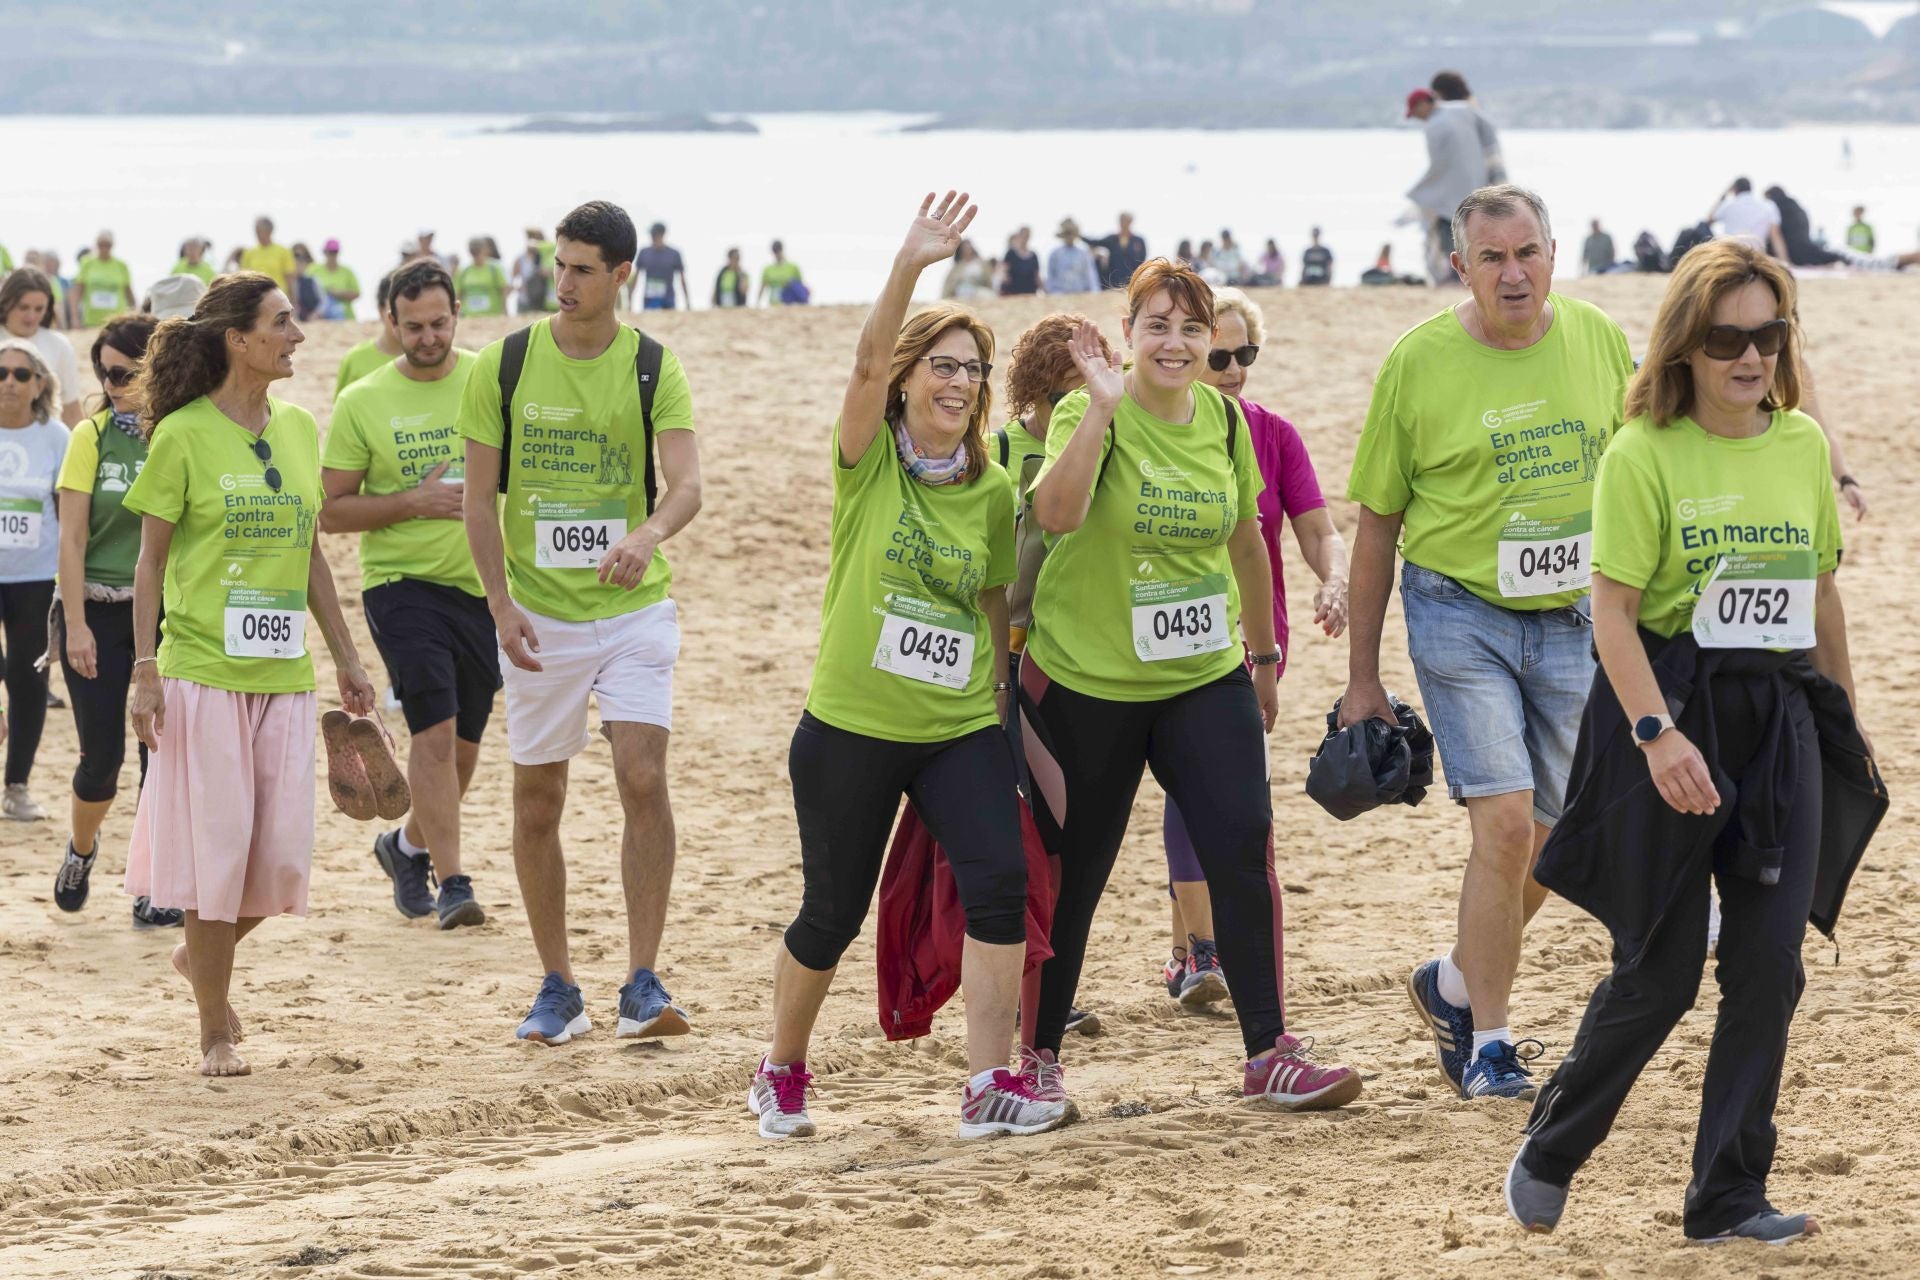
x: 174, y: 296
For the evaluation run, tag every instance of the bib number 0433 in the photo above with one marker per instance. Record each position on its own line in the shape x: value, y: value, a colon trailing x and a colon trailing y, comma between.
x: 1180, y: 619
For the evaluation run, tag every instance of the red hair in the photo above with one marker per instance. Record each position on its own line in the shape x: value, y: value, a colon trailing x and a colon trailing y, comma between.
x: 1182, y: 283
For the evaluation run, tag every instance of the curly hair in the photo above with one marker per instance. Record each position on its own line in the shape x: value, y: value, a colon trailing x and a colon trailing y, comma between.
x: 187, y: 355
x: 917, y: 337
x: 1041, y: 361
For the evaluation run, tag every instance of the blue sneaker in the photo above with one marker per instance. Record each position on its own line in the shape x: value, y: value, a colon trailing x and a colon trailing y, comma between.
x: 558, y: 1014
x: 647, y: 1010
x: 1450, y: 1025
x: 409, y: 873
x: 1501, y: 1072
x: 456, y: 904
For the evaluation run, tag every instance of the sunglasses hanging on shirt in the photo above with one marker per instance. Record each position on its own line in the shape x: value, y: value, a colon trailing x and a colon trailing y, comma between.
x: 264, y: 451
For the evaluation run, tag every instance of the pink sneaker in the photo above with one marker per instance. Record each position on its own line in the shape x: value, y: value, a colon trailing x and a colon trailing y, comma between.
x: 1007, y: 1105
x: 1292, y: 1081
x: 1045, y: 1078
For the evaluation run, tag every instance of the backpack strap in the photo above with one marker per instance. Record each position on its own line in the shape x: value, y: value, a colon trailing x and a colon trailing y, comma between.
x: 646, y: 369
x: 1006, y: 446
x: 513, y: 358
x: 1233, y: 437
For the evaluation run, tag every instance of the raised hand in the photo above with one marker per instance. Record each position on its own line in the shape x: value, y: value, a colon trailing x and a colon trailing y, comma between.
x: 936, y: 232
x: 1106, y: 383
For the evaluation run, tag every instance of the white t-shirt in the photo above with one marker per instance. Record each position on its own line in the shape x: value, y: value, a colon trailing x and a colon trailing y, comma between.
x: 30, y: 459
x: 58, y: 353
x: 1747, y: 216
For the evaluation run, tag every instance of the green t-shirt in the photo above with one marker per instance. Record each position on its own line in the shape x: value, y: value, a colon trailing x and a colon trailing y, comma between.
x: 1673, y: 502
x: 6, y: 259
x: 396, y: 430
x: 202, y: 270
x: 576, y: 470
x: 236, y: 586
x: 103, y: 287
x: 1139, y: 603
x: 1860, y: 236
x: 104, y: 461
x: 334, y: 280
x: 1491, y: 454
x: 776, y: 276
x: 361, y: 359
x: 906, y: 652
x: 483, y: 290
x: 1021, y: 446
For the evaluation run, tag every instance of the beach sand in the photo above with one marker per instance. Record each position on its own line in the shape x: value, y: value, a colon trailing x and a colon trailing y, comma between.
x: 393, y: 1127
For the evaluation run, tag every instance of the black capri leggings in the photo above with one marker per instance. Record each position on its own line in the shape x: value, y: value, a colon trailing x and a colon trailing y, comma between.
x: 846, y: 791
x: 25, y: 605
x: 1206, y: 746
x: 100, y: 704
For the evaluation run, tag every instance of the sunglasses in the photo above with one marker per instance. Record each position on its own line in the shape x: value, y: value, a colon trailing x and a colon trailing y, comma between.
x: 19, y: 374
x: 947, y: 366
x: 1218, y: 357
x: 264, y: 451
x: 1730, y: 342
x: 118, y: 377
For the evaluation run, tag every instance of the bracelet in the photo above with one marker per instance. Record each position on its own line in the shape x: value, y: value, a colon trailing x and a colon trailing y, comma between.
x: 138, y: 661
x: 1849, y: 480
x: 1264, y: 659
x: 1003, y: 686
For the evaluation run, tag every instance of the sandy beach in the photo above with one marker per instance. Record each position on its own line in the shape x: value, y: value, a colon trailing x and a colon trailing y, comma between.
x: 393, y: 1127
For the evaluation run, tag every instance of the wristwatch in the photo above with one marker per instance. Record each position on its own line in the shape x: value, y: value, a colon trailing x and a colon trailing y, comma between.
x: 1647, y: 728
x: 1265, y: 659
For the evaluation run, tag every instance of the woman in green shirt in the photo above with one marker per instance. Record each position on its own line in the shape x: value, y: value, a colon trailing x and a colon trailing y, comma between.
x: 910, y: 687
x: 93, y: 613
x: 1715, y: 544
x: 482, y: 285
x: 229, y: 501
x: 1149, y: 490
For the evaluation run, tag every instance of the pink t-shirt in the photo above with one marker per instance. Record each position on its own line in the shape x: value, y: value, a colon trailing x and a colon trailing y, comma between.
x: 1292, y: 488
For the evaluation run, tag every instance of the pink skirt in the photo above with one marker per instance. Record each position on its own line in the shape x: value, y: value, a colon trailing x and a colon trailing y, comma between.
x: 225, y: 823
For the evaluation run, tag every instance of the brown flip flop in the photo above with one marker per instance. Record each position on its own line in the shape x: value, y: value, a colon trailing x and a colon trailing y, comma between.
x: 391, y: 795
x: 346, y: 776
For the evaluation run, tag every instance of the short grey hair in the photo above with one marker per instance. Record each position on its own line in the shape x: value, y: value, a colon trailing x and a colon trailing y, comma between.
x: 1500, y: 201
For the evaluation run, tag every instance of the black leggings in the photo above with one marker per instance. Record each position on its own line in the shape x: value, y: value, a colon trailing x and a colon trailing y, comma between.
x: 1206, y: 747
x: 846, y: 791
x: 25, y: 605
x: 100, y: 704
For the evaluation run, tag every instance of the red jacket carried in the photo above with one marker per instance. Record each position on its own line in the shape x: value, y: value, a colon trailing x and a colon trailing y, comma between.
x: 922, y: 925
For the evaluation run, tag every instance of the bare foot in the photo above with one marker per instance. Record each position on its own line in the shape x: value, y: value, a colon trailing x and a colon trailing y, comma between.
x: 223, y: 1060
x: 181, y: 966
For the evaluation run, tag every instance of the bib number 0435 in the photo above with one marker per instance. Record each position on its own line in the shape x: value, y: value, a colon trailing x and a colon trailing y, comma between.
x: 924, y: 641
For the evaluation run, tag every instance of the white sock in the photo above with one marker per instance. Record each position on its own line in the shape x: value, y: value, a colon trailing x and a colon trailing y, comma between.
x: 1453, y: 983
x: 408, y: 847
x: 773, y: 1068
x: 984, y: 1079
x: 1481, y: 1039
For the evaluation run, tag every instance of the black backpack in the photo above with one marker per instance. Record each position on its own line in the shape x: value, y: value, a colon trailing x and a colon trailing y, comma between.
x: 513, y: 358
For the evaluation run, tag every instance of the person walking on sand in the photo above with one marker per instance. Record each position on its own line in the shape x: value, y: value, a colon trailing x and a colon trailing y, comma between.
x: 658, y: 264
x: 392, y: 472
x: 104, y: 284
x: 1497, y: 540
x: 270, y: 259
x: 562, y: 419
x: 910, y: 689
x: 33, y: 442
x: 26, y: 299
x: 228, y: 500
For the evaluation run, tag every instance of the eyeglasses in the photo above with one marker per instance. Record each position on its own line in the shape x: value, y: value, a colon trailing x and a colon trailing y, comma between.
x: 264, y: 451
x: 947, y: 366
x: 1218, y: 357
x: 119, y: 376
x: 19, y: 374
x: 1730, y: 342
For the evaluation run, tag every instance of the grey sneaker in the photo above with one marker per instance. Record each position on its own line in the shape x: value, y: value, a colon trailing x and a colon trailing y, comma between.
x: 148, y: 916
x: 1769, y: 1227
x: 409, y: 873
x: 1535, y: 1203
x: 456, y: 905
x: 18, y: 806
x: 71, y: 883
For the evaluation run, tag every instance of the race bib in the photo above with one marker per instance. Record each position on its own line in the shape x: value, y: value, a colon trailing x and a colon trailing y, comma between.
x: 1545, y: 557
x: 20, y: 523
x: 264, y: 623
x: 1180, y: 619
x: 479, y: 302
x: 1761, y: 600
x: 103, y: 299
x: 576, y: 535
x: 657, y: 289
x: 925, y: 641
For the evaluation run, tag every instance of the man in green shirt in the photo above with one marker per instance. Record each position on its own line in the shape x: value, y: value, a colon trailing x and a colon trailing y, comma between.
x: 339, y: 283
x: 569, y: 552
x: 1860, y: 234
x: 393, y: 471
x: 363, y: 358
x: 775, y: 277
x: 104, y: 284
x: 1478, y: 458
x: 266, y: 257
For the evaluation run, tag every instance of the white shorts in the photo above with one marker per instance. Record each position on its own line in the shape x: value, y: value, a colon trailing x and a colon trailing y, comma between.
x: 625, y: 663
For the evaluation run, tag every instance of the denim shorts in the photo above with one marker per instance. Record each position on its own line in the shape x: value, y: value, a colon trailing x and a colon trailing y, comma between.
x: 1504, y: 689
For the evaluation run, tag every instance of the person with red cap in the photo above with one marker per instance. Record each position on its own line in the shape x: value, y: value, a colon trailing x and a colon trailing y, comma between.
x: 1456, y: 168
x: 339, y: 283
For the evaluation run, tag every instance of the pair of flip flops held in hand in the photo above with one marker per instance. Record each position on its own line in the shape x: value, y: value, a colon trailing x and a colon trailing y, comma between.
x: 362, y: 775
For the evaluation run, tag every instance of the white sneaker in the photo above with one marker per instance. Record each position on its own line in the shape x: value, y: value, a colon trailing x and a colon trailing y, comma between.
x: 1007, y: 1105
x: 18, y: 806
x: 778, y: 1095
